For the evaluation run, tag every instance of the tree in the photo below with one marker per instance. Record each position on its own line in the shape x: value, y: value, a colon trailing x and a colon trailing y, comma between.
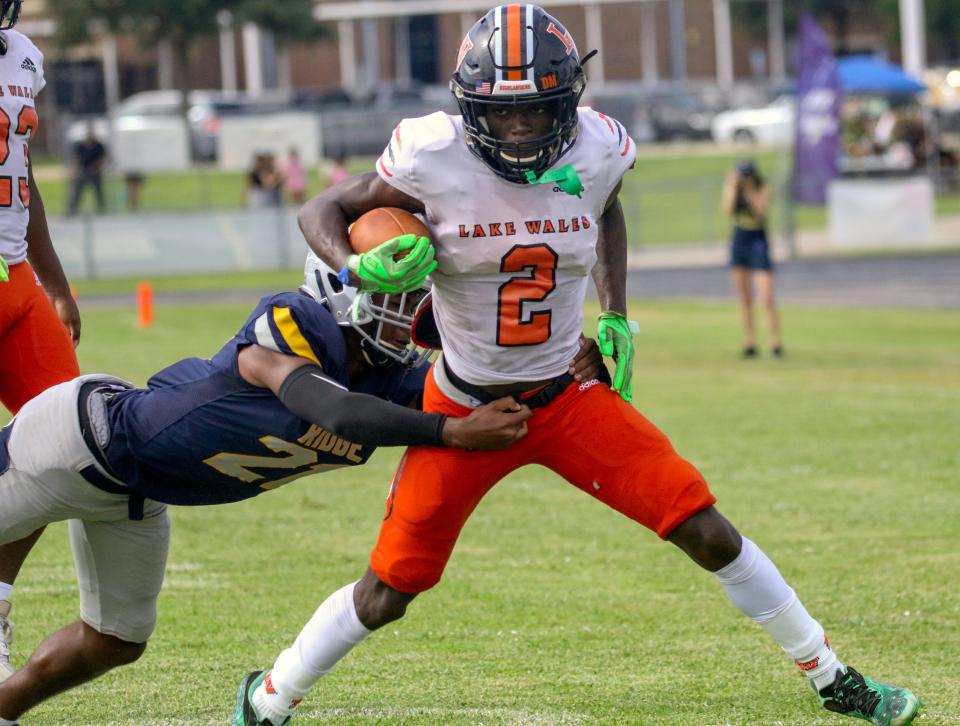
x: 942, y: 28
x: 181, y: 22
x: 289, y: 21
x: 942, y: 21
x: 838, y: 12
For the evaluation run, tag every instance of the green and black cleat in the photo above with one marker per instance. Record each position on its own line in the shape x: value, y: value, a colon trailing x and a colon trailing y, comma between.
x: 879, y: 703
x: 244, y: 714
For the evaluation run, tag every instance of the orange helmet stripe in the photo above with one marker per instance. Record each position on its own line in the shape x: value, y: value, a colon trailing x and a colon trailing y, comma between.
x: 515, y: 31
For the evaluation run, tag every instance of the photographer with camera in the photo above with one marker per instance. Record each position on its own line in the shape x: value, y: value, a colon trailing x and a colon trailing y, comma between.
x: 746, y: 198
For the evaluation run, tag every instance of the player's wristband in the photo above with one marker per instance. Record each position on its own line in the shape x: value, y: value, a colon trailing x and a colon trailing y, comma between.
x: 344, y: 275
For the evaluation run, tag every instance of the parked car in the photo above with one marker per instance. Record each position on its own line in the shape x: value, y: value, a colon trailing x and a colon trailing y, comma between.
x: 678, y: 114
x: 771, y: 125
x: 204, y: 112
x: 157, y: 108
x: 364, y: 127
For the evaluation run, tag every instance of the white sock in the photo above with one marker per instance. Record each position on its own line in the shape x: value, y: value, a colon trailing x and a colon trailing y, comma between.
x: 6, y: 589
x: 756, y: 587
x: 330, y: 634
x: 4, y: 722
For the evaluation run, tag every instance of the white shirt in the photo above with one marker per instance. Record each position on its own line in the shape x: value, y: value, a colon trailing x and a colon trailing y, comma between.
x: 513, y: 258
x: 21, y: 79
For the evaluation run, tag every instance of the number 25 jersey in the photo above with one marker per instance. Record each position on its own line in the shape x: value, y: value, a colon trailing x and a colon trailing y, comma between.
x: 21, y: 79
x: 200, y: 434
x: 513, y: 259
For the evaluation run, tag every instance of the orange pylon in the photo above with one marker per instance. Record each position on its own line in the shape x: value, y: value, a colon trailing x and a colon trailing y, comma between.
x: 145, y: 304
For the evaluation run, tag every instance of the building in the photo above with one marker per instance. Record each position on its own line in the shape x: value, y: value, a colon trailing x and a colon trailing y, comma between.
x: 648, y: 41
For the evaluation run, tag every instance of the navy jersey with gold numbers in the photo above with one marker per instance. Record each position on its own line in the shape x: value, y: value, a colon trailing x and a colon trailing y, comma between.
x: 200, y: 434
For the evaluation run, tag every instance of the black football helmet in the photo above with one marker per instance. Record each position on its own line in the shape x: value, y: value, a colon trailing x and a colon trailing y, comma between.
x: 518, y: 55
x: 9, y: 13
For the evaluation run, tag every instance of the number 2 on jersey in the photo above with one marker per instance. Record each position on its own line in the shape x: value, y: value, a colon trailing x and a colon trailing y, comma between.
x: 540, y: 262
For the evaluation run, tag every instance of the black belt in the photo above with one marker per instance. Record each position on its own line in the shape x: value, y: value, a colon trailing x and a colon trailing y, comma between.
x: 537, y: 398
x: 91, y: 473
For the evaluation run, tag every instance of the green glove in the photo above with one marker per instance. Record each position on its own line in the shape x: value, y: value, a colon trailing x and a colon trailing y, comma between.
x: 3, y: 270
x: 380, y: 272
x: 615, y: 338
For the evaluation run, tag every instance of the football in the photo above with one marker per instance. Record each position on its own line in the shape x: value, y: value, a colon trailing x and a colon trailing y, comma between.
x: 382, y: 224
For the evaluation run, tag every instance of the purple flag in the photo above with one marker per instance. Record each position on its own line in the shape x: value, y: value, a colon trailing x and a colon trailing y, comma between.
x: 817, y: 145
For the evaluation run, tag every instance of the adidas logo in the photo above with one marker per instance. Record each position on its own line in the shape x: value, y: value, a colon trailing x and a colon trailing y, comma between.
x: 28, y: 65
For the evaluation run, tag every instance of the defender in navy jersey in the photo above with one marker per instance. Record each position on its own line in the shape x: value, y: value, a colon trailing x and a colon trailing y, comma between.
x: 201, y: 434
x: 313, y: 381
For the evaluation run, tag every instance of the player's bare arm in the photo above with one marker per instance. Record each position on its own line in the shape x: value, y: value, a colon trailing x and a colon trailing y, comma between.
x: 610, y: 272
x: 303, y: 388
x: 325, y: 218
x: 43, y: 259
x: 614, y: 331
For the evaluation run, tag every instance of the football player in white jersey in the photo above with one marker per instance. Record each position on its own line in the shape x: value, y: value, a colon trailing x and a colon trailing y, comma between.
x: 521, y: 193
x: 39, y: 320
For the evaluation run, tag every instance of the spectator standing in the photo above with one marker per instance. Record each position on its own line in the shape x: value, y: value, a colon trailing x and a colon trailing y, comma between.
x: 89, y: 156
x: 263, y: 182
x: 746, y: 198
x: 295, y: 177
x: 133, y: 182
x: 337, y: 171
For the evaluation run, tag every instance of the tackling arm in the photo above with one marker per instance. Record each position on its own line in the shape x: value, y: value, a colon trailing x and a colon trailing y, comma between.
x: 304, y: 389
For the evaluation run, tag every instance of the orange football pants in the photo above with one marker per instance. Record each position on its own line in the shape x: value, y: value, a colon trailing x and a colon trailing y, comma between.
x: 588, y: 435
x: 36, y: 350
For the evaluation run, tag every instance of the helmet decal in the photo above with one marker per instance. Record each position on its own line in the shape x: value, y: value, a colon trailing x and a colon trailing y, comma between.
x: 564, y: 36
x: 465, y: 46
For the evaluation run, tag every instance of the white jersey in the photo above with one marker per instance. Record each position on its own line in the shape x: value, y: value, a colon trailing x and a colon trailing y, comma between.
x: 513, y: 258
x: 21, y: 79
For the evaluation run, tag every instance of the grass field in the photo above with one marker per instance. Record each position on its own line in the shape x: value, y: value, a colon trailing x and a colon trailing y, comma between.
x: 840, y: 461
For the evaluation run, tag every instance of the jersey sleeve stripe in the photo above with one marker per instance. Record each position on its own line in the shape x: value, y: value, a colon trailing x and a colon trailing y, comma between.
x: 291, y: 334
x: 261, y: 331
x: 623, y: 138
x: 620, y: 131
x: 383, y: 167
x: 608, y: 122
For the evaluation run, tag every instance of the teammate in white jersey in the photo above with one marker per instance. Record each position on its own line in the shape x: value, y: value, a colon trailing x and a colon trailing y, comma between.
x: 521, y: 193
x: 39, y: 320
x: 38, y: 331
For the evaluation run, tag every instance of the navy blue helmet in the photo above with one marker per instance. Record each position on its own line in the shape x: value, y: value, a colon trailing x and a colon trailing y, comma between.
x: 9, y: 12
x: 518, y: 55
